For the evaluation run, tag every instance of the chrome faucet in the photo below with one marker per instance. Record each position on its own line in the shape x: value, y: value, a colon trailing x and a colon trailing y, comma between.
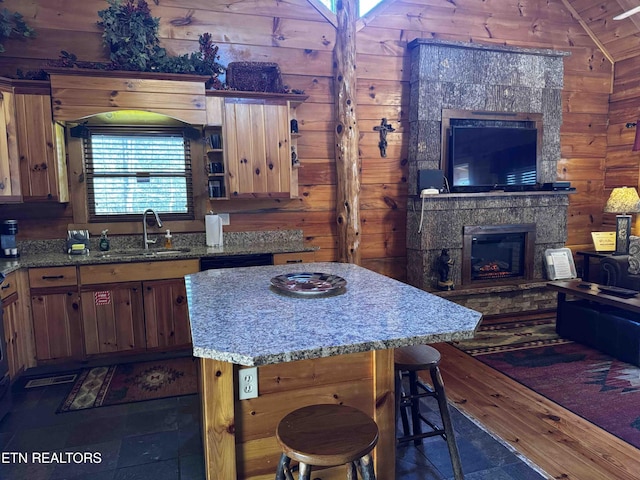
x: 144, y: 226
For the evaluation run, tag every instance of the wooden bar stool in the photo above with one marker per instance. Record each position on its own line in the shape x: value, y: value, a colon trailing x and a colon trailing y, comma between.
x: 408, y: 362
x: 327, y: 435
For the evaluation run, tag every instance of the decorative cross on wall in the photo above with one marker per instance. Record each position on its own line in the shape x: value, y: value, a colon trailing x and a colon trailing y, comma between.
x: 383, y: 128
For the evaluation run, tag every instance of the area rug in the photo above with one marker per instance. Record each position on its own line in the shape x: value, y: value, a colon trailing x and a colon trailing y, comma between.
x: 131, y: 382
x: 599, y: 388
x: 512, y: 335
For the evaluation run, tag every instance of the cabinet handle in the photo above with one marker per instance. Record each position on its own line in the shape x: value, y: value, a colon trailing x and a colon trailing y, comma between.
x: 180, y: 299
x: 297, y: 260
x: 52, y: 277
x: 4, y: 287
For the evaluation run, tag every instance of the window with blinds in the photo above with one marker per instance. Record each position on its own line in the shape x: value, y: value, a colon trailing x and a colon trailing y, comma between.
x: 131, y: 169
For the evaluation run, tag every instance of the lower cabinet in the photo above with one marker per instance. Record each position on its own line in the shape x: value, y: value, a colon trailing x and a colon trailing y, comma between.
x: 57, y: 323
x: 166, y: 314
x: 112, y: 318
x: 135, y: 307
x: 17, y: 330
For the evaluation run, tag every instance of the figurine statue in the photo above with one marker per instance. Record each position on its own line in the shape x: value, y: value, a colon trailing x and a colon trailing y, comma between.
x: 444, y: 264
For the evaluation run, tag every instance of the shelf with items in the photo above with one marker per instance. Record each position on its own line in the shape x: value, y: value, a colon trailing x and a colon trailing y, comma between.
x: 215, y: 163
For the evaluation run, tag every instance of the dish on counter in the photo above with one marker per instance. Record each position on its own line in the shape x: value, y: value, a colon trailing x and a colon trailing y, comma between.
x: 309, y: 284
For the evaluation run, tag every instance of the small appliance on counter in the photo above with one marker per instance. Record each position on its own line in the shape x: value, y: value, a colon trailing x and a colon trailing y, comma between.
x: 8, y: 242
x: 78, y: 242
x: 213, y: 230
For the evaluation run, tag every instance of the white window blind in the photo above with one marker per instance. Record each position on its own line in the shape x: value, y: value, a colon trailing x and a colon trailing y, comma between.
x: 131, y: 169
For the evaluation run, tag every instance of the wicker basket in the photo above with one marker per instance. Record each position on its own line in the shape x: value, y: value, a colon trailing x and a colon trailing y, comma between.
x: 254, y: 77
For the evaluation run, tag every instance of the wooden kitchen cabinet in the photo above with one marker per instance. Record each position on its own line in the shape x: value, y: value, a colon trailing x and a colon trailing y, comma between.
x: 32, y: 157
x: 41, y: 146
x: 57, y: 323
x: 113, y: 318
x: 17, y: 330
x: 9, y: 158
x: 166, y: 314
x: 55, y: 310
x: 258, y: 148
x: 146, y: 305
x: 296, y: 257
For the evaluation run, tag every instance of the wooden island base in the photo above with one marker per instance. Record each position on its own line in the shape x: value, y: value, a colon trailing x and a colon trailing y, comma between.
x: 239, y: 435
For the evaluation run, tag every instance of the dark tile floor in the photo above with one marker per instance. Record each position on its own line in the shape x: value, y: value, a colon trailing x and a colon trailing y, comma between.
x: 160, y: 440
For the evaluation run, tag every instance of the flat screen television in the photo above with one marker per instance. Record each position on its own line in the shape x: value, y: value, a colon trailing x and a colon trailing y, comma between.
x: 489, y: 157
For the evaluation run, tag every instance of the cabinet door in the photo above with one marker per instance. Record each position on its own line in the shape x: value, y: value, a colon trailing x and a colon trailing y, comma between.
x: 43, y: 170
x: 56, y: 324
x: 9, y: 157
x: 113, y: 318
x: 166, y: 314
x: 16, y: 348
x: 258, y: 148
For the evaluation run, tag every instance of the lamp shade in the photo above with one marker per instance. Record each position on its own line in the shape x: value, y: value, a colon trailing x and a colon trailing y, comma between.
x: 623, y: 200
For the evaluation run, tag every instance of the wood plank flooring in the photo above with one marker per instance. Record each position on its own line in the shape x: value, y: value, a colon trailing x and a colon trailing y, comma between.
x: 559, y: 442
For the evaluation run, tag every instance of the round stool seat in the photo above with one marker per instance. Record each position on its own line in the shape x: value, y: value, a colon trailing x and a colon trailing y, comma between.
x: 327, y: 435
x: 416, y: 357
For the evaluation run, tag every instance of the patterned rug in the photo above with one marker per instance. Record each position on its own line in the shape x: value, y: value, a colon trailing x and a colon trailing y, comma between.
x: 510, y: 336
x: 131, y: 382
x: 599, y: 388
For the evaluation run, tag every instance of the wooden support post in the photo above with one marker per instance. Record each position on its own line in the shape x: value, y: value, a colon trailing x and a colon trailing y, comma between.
x: 346, y: 134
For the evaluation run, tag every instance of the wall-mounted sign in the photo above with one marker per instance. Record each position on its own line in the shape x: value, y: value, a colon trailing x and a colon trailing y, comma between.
x: 102, y: 297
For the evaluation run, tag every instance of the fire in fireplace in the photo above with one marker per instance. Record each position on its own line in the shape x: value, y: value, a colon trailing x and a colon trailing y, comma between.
x: 497, y: 252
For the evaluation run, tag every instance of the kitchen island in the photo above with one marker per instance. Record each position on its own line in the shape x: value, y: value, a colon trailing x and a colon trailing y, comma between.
x: 309, y: 349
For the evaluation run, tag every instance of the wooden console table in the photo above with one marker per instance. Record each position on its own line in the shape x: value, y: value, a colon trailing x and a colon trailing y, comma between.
x: 570, y: 287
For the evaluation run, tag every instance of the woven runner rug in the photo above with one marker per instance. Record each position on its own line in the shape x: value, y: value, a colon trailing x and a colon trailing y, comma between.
x: 132, y: 382
x: 599, y: 388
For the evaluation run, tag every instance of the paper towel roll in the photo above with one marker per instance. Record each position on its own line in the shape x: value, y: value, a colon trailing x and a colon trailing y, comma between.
x: 213, y: 229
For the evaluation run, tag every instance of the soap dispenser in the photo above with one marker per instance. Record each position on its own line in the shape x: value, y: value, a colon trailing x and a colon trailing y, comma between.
x: 104, y: 241
x: 167, y: 240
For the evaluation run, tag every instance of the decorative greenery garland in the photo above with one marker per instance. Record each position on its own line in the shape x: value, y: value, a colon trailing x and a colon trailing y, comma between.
x: 12, y: 24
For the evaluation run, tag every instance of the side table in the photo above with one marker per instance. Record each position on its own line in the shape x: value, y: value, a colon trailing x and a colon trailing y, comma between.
x: 587, y: 255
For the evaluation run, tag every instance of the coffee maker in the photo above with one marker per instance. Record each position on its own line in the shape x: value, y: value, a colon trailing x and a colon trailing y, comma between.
x: 8, y: 245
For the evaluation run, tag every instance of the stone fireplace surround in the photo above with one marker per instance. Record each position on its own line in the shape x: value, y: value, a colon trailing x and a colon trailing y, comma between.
x: 472, y: 77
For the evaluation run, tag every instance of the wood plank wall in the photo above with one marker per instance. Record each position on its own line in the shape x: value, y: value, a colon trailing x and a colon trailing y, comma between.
x: 296, y: 36
x: 622, y: 164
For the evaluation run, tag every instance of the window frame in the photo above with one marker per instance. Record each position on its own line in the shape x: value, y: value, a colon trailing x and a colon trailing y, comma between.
x: 137, y: 130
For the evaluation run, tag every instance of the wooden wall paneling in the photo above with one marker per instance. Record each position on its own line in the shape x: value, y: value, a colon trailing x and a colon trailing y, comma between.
x: 317, y: 171
x: 577, y: 123
x: 48, y: 44
x: 294, y: 8
x: 231, y: 28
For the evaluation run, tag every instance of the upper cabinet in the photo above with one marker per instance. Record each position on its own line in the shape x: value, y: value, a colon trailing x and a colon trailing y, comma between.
x: 256, y: 146
x: 78, y: 94
x: 32, y: 156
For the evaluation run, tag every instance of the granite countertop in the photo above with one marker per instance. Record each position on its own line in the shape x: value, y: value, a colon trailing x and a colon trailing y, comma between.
x: 187, y: 246
x: 236, y: 316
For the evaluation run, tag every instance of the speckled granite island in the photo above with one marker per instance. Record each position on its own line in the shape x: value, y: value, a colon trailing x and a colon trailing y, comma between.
x: 335, y: 349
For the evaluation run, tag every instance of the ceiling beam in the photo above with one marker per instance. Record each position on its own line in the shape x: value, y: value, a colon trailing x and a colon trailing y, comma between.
x: 592, y: 35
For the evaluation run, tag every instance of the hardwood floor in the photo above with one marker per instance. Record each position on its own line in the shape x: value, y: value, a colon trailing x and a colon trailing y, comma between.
x: 559, y: 442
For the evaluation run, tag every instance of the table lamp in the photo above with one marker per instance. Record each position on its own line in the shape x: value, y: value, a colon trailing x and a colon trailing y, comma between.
x: 623, y: 200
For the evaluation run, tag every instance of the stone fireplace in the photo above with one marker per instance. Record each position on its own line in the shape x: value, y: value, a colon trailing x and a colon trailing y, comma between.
x: 453, y: 79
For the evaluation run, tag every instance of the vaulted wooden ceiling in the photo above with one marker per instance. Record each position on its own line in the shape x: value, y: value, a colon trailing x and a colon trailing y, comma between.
x: 618, y: 39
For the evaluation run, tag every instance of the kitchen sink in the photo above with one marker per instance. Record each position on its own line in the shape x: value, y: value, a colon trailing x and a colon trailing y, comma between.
x: 141, y: 253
